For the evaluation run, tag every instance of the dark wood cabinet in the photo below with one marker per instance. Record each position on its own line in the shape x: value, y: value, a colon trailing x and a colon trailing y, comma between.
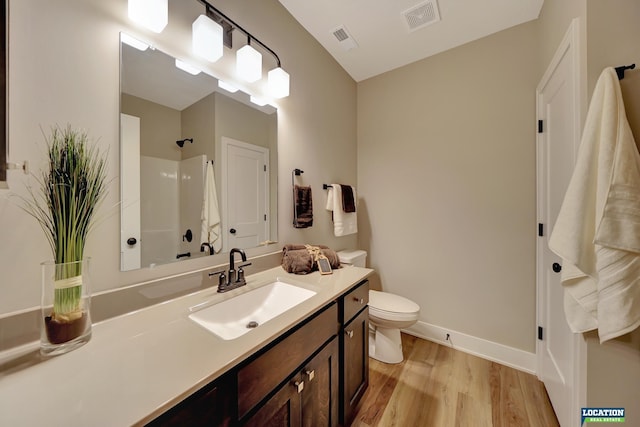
x: 262, y: 373
x: 211, y: 406
x: 307, y: 399
x: 355, y: 350
x: 283, y: 409
x: 320, y: 406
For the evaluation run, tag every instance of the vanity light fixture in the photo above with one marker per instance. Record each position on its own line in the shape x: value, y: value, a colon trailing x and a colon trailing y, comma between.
x: 151, y: 14
x: 248, y: 59
x: 133, y: 42
x: 206, y: 38
x: 187, y: 67
x: 227, y: 86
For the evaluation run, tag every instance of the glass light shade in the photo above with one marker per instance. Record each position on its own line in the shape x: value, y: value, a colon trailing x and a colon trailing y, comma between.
x: 278, y: 83
x: 206, y: 38
x: 151, y: 14
x: 249, y: 64
x: 187, y: 67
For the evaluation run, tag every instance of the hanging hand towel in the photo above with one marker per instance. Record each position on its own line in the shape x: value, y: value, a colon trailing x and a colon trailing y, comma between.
x: 597, y: 232
x: 344, y: 223
x: 303, y: 207
x: 210, y: 230
x: 348, y: 201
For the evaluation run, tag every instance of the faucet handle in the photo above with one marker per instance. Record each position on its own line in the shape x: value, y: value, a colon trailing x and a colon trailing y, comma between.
x: 240, y: 276
x: 221, y: 279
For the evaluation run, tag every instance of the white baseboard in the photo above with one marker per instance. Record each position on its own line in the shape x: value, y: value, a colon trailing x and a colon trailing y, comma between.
x: 505, y: 355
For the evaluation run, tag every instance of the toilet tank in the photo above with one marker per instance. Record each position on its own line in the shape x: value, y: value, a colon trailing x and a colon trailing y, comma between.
x: 357, y: 257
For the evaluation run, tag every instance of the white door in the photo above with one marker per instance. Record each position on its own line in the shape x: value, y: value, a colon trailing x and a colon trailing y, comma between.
x: 245, y: 195
x: 559, y: 351
x: 130, y: 194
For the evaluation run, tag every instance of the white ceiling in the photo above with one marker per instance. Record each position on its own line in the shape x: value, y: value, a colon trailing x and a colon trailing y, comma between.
x: 383, y: 36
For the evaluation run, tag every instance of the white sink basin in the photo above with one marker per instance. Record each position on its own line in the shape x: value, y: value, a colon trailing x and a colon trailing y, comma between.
x: 236, y: 316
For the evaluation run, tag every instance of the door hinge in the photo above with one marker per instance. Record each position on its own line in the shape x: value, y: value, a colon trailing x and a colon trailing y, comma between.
x: 265, y: 168
x: 540, y: 126
x: 540, y: 333
x: 540, y: 229
x: 265, y: 217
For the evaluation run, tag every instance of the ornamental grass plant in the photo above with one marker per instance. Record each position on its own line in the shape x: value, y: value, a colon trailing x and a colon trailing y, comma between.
x: 70, y: 189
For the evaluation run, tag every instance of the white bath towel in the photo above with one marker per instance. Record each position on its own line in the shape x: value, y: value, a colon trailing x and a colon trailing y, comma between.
x: 343, y: 223
x: 597, y: 232
x: 210, y: 217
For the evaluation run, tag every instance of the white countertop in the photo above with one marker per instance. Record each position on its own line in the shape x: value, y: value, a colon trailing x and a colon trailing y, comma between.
x: 138, y: 365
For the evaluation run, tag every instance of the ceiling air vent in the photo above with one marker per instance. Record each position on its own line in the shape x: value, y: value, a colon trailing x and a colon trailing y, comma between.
x: 421, y: 15
x: 344, y: 38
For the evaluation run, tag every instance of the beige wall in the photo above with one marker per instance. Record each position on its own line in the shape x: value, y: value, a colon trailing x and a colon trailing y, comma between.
x: 198, y: 123
x: 64, y: 67
x: 613, y: 368
x: 446, y: 172
x: 160, y: 127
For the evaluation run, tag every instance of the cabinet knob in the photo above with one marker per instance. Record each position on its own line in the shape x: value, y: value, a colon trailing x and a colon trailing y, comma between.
x: 349, y: 333
x: 299, y: 386
x: 310, y: 374
x: 359, y: 300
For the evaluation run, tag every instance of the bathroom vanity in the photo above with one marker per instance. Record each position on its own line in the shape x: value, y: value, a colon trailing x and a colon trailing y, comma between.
x: 156, y: 366
x: 313, y: 375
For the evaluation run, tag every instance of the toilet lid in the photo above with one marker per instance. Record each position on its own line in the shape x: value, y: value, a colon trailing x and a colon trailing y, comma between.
x: 391, y: 302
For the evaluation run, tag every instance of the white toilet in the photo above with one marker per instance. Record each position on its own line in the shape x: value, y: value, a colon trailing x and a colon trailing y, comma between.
x: 388, y: 313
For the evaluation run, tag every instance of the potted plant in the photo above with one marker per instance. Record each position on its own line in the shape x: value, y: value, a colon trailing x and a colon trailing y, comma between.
x: 70, y: 190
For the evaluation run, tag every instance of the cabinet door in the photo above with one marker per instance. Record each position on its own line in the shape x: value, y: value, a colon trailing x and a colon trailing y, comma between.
x: 321, y: 388
x: 283, y: 409
x: 356, y: 363
x: 210, y: 406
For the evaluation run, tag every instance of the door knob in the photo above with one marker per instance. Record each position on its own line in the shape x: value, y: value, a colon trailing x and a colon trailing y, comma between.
x: 131, y: 241
x: 232, y: 231
x: 556, y: 267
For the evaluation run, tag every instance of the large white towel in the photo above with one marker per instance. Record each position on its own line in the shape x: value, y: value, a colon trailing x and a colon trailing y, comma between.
x: 597, y: 232
x: 210, y: 232
x: 343, y: 223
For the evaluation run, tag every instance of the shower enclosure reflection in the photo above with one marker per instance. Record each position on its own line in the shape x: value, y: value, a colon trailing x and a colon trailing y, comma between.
x: 174, y: 126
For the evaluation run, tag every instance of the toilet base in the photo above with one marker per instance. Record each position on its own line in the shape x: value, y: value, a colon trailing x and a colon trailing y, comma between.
x: 385, y: 344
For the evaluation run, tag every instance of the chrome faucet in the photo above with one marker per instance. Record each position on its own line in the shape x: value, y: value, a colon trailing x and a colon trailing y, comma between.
x: 233, y: 279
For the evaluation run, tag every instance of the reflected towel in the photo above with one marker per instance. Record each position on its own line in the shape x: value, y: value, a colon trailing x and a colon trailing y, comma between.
x: 303, y: 206
x: 344, y: 223
x: 597, y: 232
x: 210, y: 230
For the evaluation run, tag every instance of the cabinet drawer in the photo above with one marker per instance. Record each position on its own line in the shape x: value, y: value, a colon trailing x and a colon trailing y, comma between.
x: 263, y: 374
x: 355, y: 301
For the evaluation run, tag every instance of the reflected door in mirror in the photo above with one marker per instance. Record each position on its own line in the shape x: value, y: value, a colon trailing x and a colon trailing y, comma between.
x: 245, y: 182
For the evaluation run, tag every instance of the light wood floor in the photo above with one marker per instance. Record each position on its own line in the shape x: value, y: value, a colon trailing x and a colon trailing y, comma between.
x: 438, y: 386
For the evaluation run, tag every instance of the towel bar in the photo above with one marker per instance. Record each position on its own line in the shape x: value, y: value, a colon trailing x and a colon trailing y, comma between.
x: 620, y: 70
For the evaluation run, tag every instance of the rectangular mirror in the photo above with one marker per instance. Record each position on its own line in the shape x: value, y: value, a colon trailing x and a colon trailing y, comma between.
x: 196, y: 164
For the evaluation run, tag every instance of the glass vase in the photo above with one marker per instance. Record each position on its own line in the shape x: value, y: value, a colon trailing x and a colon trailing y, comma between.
x: 66, y: 304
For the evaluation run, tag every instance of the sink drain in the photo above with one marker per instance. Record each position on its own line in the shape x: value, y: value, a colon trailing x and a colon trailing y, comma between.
x: 252, y: 324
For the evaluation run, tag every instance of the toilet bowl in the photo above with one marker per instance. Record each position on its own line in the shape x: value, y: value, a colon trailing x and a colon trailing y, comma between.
x: 388, y: 313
